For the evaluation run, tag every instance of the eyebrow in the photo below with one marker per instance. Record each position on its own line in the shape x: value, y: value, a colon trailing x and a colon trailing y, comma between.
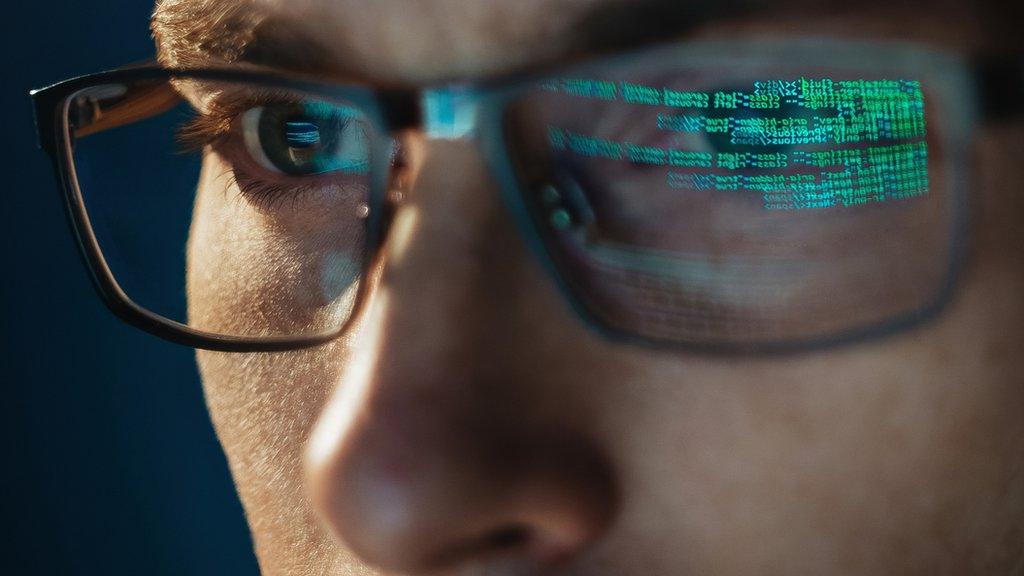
x: 191, y: 34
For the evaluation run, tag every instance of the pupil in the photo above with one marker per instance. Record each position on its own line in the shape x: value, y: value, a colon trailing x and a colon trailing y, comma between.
x: 306, y: 139
x: 301, y: 135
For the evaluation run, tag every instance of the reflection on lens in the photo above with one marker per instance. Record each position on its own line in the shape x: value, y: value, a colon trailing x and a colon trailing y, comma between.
x: 695, y: 205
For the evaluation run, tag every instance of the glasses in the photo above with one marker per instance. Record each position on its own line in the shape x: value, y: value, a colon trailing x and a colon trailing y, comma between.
x: 736, y: 196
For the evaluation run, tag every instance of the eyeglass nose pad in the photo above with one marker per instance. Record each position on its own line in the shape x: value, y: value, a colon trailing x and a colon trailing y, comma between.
x: 403, y: 166
x: 566, y: 206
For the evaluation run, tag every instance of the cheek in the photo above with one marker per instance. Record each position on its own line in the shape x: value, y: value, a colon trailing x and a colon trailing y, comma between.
x: 255, y: 271
x: 263, y: 407
x: 835, y: 455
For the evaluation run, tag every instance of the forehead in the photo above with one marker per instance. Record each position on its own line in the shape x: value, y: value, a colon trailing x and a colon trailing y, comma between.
x: 409, y: 39
x: 428, y: 40
x: 412, y: 40
x: 426, y: 37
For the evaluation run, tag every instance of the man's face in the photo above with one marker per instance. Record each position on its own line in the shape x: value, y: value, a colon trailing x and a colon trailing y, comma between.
x: 470, y: 422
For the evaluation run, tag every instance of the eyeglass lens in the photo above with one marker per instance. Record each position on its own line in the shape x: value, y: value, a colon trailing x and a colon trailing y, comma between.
x: 177, y: 175
x: 744, y: 204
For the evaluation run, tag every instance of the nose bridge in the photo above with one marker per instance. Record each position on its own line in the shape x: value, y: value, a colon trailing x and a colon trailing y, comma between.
x: 430, y: 456
x: 454, y: 263
x: 465, y: 289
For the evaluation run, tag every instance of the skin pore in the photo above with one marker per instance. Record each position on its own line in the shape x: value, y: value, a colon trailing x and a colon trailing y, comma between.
x: 470, y: 424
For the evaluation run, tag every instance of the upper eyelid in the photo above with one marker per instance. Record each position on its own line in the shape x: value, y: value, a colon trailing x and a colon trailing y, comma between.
x: 210, y: 126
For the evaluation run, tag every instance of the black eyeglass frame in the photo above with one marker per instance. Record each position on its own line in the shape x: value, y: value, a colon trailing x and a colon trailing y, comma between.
x: 390, y: 110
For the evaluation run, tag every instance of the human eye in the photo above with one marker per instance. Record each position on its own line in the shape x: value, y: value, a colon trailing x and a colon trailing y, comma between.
x: 303, y: 139
x: 284, y: 146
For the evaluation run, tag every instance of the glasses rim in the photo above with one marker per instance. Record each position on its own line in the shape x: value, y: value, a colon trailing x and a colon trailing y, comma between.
x: 55, y: 137
x: 949, y: 77
x: 391, y: 109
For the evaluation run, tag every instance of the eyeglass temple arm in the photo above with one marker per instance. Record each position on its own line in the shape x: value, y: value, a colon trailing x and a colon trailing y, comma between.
x: 138, y: 103
x: 134, y: 105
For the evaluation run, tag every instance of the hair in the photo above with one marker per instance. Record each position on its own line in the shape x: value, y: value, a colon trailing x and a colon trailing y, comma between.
x: 194, y: 32
x: 189, y: 32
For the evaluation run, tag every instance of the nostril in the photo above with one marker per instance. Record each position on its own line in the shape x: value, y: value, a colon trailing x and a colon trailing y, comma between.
x: 526, y: 544
x: 513, y: 539
x: 509, y: 537
x: 410, y: 491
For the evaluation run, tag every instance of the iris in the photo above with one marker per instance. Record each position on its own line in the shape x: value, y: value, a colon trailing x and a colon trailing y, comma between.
x: 307, y: 138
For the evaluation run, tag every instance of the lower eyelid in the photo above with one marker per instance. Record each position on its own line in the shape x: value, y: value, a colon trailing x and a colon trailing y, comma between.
x: 268, y: 189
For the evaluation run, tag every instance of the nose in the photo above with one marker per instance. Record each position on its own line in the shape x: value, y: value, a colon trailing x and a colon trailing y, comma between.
x: 445, y: 446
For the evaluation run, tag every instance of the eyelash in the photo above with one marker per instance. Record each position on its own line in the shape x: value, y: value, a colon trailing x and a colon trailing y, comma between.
x: 217, y: 130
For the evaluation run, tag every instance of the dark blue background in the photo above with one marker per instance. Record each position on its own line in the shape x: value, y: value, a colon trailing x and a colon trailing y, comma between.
x: 112, y: 466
